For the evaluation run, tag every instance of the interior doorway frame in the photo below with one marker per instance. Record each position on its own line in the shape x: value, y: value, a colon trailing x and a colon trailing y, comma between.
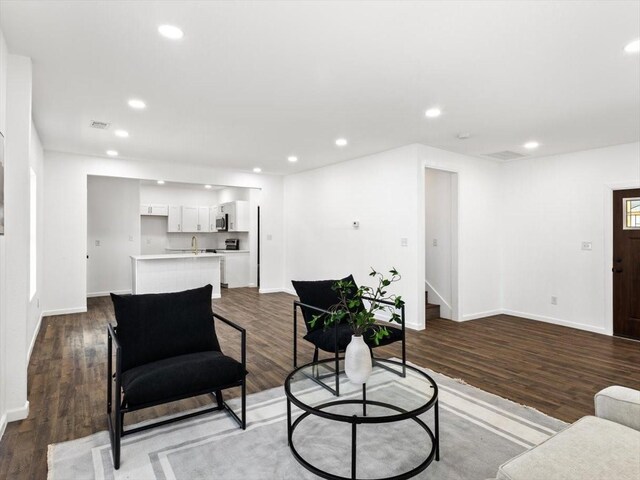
x: 609, y: 188
x: 456, y: 296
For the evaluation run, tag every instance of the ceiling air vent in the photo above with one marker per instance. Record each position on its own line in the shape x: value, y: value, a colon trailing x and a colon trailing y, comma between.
x: 99, y: 125
x: 505, y: 155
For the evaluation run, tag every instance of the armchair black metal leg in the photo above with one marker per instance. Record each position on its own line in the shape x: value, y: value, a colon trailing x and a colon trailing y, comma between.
x: 219, y: 399
x: 244, y: 405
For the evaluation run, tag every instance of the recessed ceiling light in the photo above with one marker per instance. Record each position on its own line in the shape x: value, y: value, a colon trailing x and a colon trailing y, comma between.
x: 633, y: 47
x: 171, y: 32
x: 160, y: 182
x: 433, y: 113
x: 137, y: 104
x: 257, y: 170
x: 341, y: 142
x: 121, y: 133
x: 112, y: 153
x: 531, y: 145
x: 292, y: 159
x: 207, y: 186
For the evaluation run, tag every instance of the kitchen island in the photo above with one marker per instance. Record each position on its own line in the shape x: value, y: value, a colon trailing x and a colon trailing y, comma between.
x: 175, y: 272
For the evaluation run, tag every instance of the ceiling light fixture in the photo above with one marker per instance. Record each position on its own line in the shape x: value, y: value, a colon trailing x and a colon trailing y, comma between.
x: 207, y: 186
x: 112, y: 153
x: 531, y: 145
x: 171, y: 32
x: 121, y: 133
x: 433, y: 113
x: 160, y: 182
x: 341, y: 142
x: 137, y: 104
x: 257, y: 170
x: 292, y: 159
x: 633, y: 47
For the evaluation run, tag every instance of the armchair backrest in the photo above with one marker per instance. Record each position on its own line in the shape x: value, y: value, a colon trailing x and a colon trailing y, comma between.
x: 153, y: 327
x: 319, y: 294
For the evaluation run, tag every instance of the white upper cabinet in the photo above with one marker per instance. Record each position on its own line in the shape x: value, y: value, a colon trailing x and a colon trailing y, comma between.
x: 238, y: 215
x: 213, y: 211
x: 157, y: 210
x: 174, y: 220
x: 203, y: 219
x: 190, y: 219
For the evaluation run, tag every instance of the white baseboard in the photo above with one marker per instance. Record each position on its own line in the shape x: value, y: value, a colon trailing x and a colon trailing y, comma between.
x: 3, y: 424
x: 216, y: 295
x: 277, y: 290
x: 33, y: 339
x: 475, y: 316
x: 64, y: 311
x: 557, y: 321
x: 106, y: 294
x: 18, y: 413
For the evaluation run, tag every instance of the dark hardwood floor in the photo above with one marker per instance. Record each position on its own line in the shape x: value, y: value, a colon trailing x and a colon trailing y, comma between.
x: 554, y: 369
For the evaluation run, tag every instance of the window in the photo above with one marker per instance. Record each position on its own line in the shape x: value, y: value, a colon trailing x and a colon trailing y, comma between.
x: 33, y: 211
x: 631, y: 213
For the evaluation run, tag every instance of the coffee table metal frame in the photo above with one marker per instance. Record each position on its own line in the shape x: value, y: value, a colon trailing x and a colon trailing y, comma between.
x: 355, y: 420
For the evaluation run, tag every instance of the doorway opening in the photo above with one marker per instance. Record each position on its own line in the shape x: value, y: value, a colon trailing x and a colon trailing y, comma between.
x: 441, y: 244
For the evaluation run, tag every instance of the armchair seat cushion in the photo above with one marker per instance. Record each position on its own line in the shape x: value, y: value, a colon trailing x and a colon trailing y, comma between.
x: 325, y: 339
x: 181, y: 376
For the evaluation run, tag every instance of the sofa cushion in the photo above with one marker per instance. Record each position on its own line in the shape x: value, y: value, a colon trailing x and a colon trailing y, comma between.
x: 320, y: 294
x: 156, y: 326
x: 179, y: 376
x: 325, y: 339
x: 590, y: 449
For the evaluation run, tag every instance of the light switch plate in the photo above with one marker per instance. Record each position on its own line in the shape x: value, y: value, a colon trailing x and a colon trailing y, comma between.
x: 587, y: 246
x: 404, y: 241
x: 97, y: 243
x: 435, y: 242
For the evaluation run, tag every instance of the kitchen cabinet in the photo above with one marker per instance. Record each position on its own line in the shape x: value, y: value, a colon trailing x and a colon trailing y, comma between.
x: 174, y: 219
x: 189, y: 219
x: 213, y: 211
x: 155, y: 210
x: 238, y: 215
x: 203, y: 219
x: 234, y: 269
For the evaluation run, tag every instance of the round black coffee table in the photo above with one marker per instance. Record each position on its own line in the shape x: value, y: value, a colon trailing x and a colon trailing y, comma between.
x: 305, y: 389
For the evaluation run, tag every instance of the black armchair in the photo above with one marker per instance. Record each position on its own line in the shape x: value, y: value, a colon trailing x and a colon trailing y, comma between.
x: 316, y: 298
x: 166, y: 350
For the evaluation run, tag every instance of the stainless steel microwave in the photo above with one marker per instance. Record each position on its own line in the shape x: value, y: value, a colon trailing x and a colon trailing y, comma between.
x: 222, y: 221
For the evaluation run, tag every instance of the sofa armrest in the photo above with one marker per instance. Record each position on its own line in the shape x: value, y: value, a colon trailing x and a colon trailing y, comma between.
x: 620, y: 405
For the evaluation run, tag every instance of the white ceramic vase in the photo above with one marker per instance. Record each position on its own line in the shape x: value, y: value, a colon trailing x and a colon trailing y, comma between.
x: 357, y: 360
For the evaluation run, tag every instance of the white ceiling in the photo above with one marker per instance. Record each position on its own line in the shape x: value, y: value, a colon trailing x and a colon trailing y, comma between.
x: 254, y: 82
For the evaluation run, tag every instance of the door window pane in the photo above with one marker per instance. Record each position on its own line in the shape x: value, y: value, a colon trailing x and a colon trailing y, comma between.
x: 631, y: 213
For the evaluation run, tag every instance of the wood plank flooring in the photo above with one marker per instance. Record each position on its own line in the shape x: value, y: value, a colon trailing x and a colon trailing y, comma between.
x: 554, y: 369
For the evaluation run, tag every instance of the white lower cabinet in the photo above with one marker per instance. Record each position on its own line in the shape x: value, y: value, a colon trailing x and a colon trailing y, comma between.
x: 235, y: 269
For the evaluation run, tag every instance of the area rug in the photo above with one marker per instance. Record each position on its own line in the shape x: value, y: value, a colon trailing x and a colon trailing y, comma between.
x: 478, y: 432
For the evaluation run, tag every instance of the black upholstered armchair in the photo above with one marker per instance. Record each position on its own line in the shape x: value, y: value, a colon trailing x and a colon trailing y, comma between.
x: 317, y: 298
x: 166, y: 349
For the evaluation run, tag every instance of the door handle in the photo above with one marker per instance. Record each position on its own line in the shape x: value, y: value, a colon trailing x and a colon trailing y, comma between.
x: 616, y: 270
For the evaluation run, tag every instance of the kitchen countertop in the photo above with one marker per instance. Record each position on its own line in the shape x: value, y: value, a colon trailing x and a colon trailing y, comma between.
x: 174, y: 255
x: 223, y: 251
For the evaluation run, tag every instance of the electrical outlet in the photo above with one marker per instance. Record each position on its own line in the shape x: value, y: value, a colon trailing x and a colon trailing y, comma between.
x: 587, y: 246
x: 435, y: 242
x: 356, y: 224
x: 554, y: 300
x: 148, y: 241
x: 404, y: 241
x: 269, y: 237
x: 97, y: 243
x: 131, y: 238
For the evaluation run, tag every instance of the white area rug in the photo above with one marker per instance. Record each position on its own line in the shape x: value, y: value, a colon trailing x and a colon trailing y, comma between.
x: 478, y: 432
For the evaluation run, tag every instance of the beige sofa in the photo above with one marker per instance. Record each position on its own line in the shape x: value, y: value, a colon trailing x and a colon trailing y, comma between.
x: 603, y: 447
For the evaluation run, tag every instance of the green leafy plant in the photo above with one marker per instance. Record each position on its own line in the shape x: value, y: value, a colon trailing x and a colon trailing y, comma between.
x: 352, y: 308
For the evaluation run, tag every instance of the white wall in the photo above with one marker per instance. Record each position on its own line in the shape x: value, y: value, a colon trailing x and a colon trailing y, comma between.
x: 36, y: 162
x: 65, y: 222
x: 113, y: 220
x: 438, y: 247
x: 4, y: 59
x: 381, y: 192
x: 550, y: 206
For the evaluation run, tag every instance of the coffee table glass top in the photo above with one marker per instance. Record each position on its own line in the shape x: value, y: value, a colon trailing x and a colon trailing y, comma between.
x: 389, y: 396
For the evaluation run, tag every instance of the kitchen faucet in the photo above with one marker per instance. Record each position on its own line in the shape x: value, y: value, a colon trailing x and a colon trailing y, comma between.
x: 194, y: 244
